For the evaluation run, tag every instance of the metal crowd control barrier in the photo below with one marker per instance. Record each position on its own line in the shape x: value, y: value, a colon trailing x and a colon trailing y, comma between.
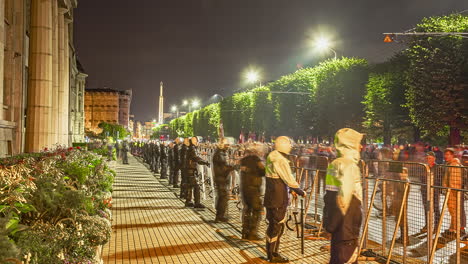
x: 310, y: 171
x: 405, y: 201
x: 406, y: 207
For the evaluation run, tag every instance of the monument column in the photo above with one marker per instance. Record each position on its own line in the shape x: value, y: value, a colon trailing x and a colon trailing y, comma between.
x: 39, y: 103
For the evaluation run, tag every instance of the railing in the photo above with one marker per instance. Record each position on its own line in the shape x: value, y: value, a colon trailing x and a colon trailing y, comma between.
x: 406, y: 207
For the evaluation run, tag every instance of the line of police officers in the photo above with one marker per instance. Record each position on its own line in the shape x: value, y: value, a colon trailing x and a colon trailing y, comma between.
x: 342, y: 217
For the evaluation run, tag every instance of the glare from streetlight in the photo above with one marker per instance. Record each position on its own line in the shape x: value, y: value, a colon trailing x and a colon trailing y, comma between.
x: 185, y: 102
x: 252, y: 76
x: 195, y: 103
x: 323, y: 44
x: 174, y: 108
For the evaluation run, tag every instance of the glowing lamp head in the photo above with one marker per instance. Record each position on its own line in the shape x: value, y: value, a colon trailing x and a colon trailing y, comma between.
x: 252, y: 76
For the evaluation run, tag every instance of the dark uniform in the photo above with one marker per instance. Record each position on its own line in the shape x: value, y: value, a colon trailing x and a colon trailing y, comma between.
x: 125, y: 152
x: 155, y: 158
x: 176, y: 152
x: 221, y: 181
x: 192, y: 182
x: 170, y: 162
x: 183, y: 170
x: 163, y: 160
x: 117, y: 149
x: 252, y: 173
x: 279, y: 180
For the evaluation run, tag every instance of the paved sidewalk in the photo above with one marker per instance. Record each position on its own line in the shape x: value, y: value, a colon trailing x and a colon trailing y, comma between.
x: 151, y: 225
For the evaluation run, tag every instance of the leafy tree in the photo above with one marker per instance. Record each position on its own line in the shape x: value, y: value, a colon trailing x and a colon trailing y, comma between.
x: 385, y: 99
x: 113, y: 130
x: 293, y: 111
x: 262, y: 111
x: 438, y: 77
x: 339, y: 92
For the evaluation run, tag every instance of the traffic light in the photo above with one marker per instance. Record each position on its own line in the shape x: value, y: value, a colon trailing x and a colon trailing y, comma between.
x: 389, y: 38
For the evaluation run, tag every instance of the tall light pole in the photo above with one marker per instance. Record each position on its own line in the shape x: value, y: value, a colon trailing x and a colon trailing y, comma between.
x: 186, y: 103
x: 175, y: 109
x: 323, y: 44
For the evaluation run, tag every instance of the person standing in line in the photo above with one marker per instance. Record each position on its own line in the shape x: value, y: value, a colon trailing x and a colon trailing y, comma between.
x: 342, y: 213
x: 453, y: 179
x: 251, y: 179
x: 279, y: 180
x: 221, y: 170
x: 125, y: 152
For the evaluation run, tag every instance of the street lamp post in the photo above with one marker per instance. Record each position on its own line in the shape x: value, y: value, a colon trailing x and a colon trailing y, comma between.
x: 175, y: 110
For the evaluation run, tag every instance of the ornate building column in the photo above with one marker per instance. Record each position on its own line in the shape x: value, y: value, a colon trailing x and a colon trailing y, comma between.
x: 39, y: 103
x: 64, y: 77
x: 2, y: 54
x: 55, y: 74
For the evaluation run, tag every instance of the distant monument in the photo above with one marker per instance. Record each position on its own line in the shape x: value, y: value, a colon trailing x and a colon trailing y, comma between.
x: 161, y: 105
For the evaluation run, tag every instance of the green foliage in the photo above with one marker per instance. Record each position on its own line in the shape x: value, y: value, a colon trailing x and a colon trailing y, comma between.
x: 160, y: 130
x: 7, y: 248
x: 385, y: 99
x: 113, y: 130
x: 56, y: 205
x: 339, y: 83
x: 437, y: 75
x: 339, y: 91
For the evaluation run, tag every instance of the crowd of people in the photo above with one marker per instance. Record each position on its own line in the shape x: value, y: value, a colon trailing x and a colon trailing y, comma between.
x: 267, y: 181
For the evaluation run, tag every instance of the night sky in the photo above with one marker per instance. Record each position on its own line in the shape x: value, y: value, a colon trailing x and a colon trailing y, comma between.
x: 199, y: 48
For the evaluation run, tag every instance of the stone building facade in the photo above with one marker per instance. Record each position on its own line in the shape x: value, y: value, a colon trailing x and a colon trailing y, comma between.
x: 106, y: 105
x: 36, y: 58
x: 125, y: 99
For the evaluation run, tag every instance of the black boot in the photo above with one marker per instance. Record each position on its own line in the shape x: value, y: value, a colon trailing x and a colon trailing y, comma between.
x: 253, y: 229
x: 246, y: 224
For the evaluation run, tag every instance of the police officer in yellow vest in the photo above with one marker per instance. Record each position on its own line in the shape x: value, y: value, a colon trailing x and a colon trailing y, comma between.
x: 279, y: 180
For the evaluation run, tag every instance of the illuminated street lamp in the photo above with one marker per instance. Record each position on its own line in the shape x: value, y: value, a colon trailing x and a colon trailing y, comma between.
x: 218, y: 95
x: 195, y: 104
x: 174, y: 109
x: 324, y: 44
x: 253, y: 76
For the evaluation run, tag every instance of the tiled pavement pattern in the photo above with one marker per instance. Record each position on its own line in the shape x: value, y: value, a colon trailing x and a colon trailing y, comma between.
x: 151, y: 225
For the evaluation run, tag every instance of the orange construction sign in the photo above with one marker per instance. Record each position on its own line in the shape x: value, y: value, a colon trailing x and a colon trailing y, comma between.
x: 388, y: 39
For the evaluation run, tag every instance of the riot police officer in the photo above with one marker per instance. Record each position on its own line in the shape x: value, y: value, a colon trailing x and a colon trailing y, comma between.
x: 252, y: 173
x: 124, y: 152
x: 183, y: 167
x: 155, y: 157
x: 163, y: 160
x: 177, y: 162
x: 170, y: 162
x: 279, y: 180
x: 221, y: 170
x: 192, y: 182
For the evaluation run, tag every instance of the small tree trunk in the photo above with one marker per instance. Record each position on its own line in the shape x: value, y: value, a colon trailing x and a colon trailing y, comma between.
x: 417, y: 134
x: 387, y: 134
x: 454, y: 136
